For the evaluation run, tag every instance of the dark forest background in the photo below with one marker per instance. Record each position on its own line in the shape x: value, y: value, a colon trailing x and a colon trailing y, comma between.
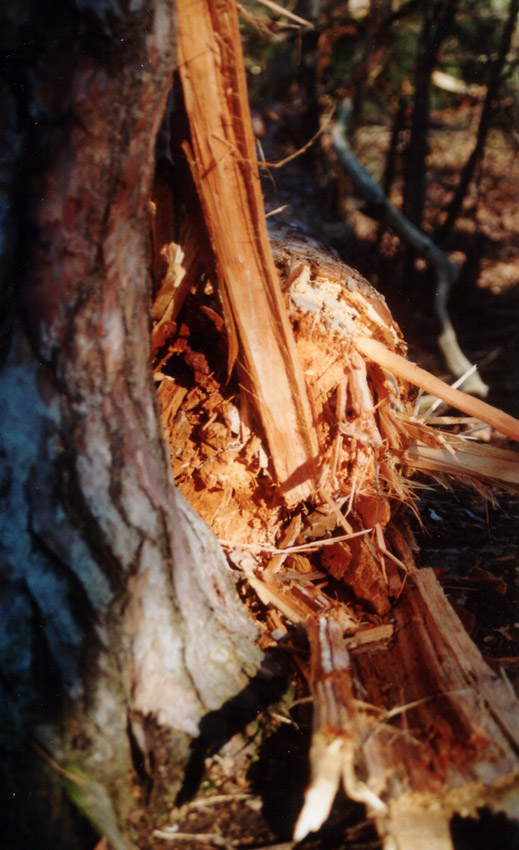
x: 432, y: 90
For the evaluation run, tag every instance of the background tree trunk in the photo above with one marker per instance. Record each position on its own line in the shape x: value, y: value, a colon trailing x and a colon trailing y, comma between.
x: 117, y: 611
x: 437, y: 23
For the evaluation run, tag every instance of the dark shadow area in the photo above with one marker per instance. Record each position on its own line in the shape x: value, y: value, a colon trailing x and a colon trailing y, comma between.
x: 217, y: 727
x: 487, y: 832
x: 473, y: 546
x: 488, y: 325
x: 279, y: 777
x: 34, y: 816
x: 345, y: 829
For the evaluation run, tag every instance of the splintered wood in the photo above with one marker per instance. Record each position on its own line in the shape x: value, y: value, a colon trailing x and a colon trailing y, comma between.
x: 407, y: 715
x: 222, y: 157
x: 337, y: 729
x: 302, y: 461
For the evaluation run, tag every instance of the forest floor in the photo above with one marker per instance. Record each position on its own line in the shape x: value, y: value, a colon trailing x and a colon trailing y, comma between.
x: 246, y: 786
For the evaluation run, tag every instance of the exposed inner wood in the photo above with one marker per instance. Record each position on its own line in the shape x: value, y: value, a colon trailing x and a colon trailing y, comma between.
x: 413, y: 718
x: 318, y: 417
x: 222, y: 158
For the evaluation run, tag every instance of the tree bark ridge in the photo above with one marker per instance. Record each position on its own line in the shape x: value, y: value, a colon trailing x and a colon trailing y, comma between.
x: 93, y: 636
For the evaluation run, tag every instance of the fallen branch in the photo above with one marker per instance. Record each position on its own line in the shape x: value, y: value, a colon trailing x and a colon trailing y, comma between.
x: 446, y: 271
x: 502, y: 422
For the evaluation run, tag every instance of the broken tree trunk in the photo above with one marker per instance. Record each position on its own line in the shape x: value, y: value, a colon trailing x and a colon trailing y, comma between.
x: 407, y: 714
x: 120, y: 627
x: 439, y: 735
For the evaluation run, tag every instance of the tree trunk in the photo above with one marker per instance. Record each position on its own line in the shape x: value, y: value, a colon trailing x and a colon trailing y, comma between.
x: 120, y: 629
x: 436, y: 27
x: 494, y: 82
x: 118, y: 612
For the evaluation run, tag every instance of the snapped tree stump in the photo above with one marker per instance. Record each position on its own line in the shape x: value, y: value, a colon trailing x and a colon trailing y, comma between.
x: 406, y: 713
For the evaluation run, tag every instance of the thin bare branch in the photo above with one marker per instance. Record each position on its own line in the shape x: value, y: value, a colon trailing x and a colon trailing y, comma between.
x: 291, y: 550
x: 280, y: 10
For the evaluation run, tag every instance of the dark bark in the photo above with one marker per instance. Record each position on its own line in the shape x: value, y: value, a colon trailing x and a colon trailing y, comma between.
x: 437, y: 21
x: 396, y: 130
x: 494, y: 83
x: 117, y: 612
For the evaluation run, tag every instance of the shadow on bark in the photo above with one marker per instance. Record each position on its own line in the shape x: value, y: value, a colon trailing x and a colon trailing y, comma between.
x: 218, y: 727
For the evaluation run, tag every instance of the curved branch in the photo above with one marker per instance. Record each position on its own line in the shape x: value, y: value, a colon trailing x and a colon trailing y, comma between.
x: 446, y: 271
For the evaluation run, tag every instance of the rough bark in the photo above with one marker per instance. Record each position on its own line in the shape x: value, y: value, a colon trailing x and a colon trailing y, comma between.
x: 117, y: 610
x: 437, y: 22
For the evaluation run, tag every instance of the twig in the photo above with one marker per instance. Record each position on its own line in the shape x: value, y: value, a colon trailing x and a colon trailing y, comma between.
x: 446, y: 271
x: 216, y: 799
x: 264, y: 164
x: 289, y: 550
x: 205, y: 837
x: 80, y: 781
x: 456, y: 385
x: 280, y: 10
x: 286, y: 845
x: 276, y: 211
x: 401, y: 709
